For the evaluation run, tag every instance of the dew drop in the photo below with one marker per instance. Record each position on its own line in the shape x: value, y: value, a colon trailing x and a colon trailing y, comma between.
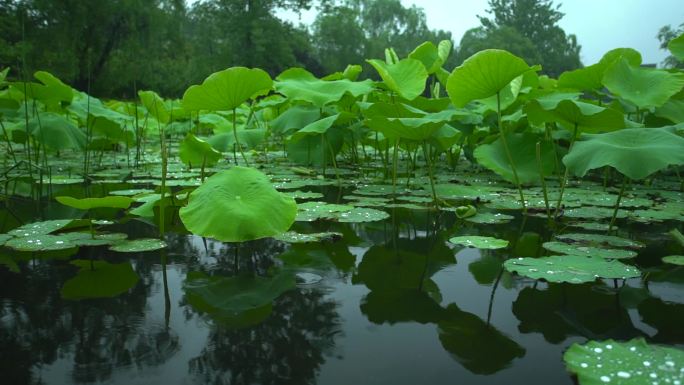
x: 623, y: 375
x: 646, y: 363
x: 653, y: 375
x: 669, y: 363
x: 609, y: 346
x: 598, y: 350
x: 584, y: 364
x: 605, y: 378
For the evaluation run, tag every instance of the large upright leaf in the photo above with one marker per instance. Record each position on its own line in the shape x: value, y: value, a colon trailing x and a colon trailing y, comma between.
x: 295, y: 118
x: 155, y: 105
x: 676, y: 46
x: 227, y: 89
x: 238, y: 205
x: 57, y: 132
x: 484, y: 74
x: 523, y: 152
x: 588, y: 117
x: 300, y: 84
x: 636, y: 152
x: 643, y: 87
x: 196, y: 152
x: 406, y: 77
x: 590, y: 78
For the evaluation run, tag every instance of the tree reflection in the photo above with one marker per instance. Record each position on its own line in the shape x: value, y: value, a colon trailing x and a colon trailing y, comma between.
x: 287, y: 348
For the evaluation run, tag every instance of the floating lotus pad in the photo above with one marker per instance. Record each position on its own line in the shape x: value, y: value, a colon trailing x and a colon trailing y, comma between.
x: 41, y: 242
x: 674, y: 260
x: 117, y: 202
x: 238, y: 205
x: 625, y: 363
x: 480, y: 242
x: 312, y: 211
x: 579, y: 249
x: 600, y: 239
x: 4, y: 238
x: 138, y: 245
x: 570, y: 268
x: 294, y: 237
x: 358, y: 215
x: 490, y: 218
x: 40, y: 228
x: 304, y: 195
x: 99, y: 279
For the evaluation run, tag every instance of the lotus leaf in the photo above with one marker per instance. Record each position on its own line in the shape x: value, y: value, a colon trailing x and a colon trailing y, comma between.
x: 238, y: 205
x: 643, y: 87
x: 676, y: 46
x: 484, y: 74
x: 406, y: 77
x: 523, y: 151
x: 117, y: 202
x: 570, y: 268
x: 625, y: 363
x: 636, y: 152
x: 195, y: 152
x: 227, y: 89
x: 479, y: 242
x: 138, y: 245
x: 674, y: 260
x: 299, y: 84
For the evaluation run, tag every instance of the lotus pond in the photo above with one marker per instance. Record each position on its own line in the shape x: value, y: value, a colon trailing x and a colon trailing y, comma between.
x: 482, y: 226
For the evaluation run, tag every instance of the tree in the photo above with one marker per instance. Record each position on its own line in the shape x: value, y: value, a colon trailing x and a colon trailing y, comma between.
x: 665, y: 34
x: 536, y: 21
x: 508, y: 38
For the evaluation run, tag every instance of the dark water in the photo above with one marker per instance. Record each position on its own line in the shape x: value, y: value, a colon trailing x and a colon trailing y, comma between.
x: 392, y: 302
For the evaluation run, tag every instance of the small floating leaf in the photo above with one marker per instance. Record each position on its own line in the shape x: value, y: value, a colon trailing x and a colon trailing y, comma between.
x: 118, y: 202
x: 570, y: 268
x: 40, y: 228
x: 490, y: 218
x: 600, y: 239
x: 579, y: 249
x: 625, y: 363
x: 295, y: 237
x: 674, y: 260
x: 480, y: 242
x: 359, y: 214
x: 138, y: 245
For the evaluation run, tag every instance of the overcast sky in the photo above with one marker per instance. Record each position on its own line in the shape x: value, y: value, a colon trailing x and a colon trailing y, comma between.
x: 600, y: 25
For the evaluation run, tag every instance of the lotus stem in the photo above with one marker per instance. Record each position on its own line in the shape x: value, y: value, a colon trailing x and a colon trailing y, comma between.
x: 432, y: 179
x: 543, y: 181
x: 625, y: 181
x: 334, y: 161
x: 237, y: 141
x: 565, y: 174
x: 508, y: 152
x: 9, y: 144
x: 395, y: 162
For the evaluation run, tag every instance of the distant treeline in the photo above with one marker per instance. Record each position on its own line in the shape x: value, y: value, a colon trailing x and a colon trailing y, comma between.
x: 113, y: 47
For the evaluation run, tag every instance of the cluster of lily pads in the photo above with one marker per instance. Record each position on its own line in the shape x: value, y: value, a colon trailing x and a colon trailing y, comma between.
x: 237, y: 157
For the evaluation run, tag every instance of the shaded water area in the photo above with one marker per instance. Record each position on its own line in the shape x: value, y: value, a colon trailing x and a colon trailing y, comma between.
x: 387, y: 302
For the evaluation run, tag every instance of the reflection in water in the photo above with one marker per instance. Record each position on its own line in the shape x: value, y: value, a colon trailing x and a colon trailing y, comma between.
x: 287, y: 348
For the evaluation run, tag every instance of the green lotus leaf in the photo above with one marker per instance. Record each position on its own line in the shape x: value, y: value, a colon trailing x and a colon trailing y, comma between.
x: 318, y: 127
x: 312, y: 211
x: 57, y: 132
x: 676, y: 46
x: 636, y: 152
x: 250, y: 138
x: 590, y: 78
x: 483, y: 75
x: 583, y: 250
x: 295, y: 118
x: 674, y: 260
x: 362, y: 214
x: 600, y: 240
x: 570, y: 268
x: 3, y: 75
x: 40, y: 242
x: 138, y: 245
x: 156, y: 106
x: 229, y: 299
x: 523, y: 151
x: 41, y: 228
x: 300, y: 84
x: 238, y: 205
x: 588, y: 117
x: 479, y: 242
x: 625, y: 363
x: 673, y: 110
x: 406, y: 77
x: 294, y: 237
x: 304, y: 194
x: 116, y: 202
x: 99, y: 279
x: 52, y: 91
x: 195, y: 152
x: 490, y: 218
x: 428, y: 54
x: 418, y: 129
x: 643, y: 87
x: 227, y: 89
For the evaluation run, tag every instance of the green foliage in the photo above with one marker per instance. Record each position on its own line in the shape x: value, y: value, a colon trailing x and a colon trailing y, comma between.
x: 227, y: 89
x: 238, y: 205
